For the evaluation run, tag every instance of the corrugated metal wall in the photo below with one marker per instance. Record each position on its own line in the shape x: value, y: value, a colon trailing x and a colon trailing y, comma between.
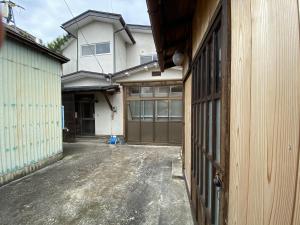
x: 30, y: 106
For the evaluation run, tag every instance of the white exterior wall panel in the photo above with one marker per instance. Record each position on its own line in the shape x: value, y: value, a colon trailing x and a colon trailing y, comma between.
x: 120, y: 53
x: 71, y: 53
x: 146, y: 75
x: 106, y: 121
x: 144, y: 46
x: 93, y: 33
x: 30, y: 108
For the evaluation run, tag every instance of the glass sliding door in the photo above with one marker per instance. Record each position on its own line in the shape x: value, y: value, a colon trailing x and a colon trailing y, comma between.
x: 161, y: 121
x: 133, y: 121
x: 147, y: 126
x: 154, y: 114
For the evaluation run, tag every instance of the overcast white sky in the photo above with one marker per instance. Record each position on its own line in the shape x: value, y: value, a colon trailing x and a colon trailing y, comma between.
x: 43, y: 18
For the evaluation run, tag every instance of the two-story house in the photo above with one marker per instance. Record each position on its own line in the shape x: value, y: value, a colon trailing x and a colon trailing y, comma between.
x: 113, y: 86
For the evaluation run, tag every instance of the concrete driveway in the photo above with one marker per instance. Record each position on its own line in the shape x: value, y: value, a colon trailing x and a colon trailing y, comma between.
x: 101, y: 184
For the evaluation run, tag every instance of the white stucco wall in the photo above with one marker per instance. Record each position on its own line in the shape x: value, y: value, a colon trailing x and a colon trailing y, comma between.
x: 107, y: 122
x: 127, y: 55
x: 144, y: 46
x: 120, y: 53
x: 169, y: 74
x: 70, y: 52
x: 96, y: 32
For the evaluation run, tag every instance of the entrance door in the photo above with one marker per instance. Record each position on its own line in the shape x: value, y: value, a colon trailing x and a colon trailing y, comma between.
x: 68, y: 101
x: 85, y: 115
x: 208, y: 120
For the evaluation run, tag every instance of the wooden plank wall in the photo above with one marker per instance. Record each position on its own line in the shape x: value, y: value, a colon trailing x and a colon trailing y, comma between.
x: 201, y: 22
x: 265, y: 113
x: 188, y: 129
x: 202, y: 19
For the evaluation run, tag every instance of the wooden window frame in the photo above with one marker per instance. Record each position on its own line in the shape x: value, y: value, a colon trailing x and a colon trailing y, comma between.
x: 199, y: 90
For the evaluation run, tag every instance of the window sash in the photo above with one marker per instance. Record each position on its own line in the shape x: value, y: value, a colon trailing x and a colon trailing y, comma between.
x: 206, y: 121
x: 102, y: 48
x: 95, y: 49
x: 87, y: 50
x: 148, y: 58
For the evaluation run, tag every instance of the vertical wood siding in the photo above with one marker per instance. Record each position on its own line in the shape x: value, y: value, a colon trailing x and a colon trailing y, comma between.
x: 202, y: 19
x: 265, y: 113
x: 30, y: 107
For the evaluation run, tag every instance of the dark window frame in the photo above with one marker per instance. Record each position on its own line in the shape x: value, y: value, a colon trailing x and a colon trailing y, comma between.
x: 201, y: 95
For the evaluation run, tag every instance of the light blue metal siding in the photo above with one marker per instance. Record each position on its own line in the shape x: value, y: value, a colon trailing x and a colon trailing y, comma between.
x: 30, y: 107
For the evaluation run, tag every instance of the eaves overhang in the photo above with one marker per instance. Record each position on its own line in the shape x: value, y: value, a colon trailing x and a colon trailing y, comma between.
x: 83, y: 74
x: 171, y: 27
x: 134, y: 69
x: 89, y: 16
x: 108, y: 88
x: 137, y: 28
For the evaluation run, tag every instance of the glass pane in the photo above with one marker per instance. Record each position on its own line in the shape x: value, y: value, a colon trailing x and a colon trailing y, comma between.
x: 145, y: 59
x: 147, y: 111
x: 134, y: 108
x: 146, y: 91
x: 162, y: 91
x: 176, y: 91
x: 162, y: 111
x: 218, y: 130
x: 210, y: 119
x: 217, y: 207
x: 200, y: 122
x: 210, y: 67
x: 134, y: 91
x: 102, y: 48
x: 176, y: 110
x: 218, y: 60
x: 209, y: 186
x: 87, y: 50
x: 87, y: 110
x: 204, y: 126
x: 198, y: 168
x: 203, y: 176
x: 203, y: 75
x: 198, y: 79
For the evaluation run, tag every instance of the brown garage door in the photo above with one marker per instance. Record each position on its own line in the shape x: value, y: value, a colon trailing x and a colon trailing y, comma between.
x: 154, y: 114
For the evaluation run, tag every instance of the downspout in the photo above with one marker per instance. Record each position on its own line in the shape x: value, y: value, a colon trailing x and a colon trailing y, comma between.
x: 115, y: 32
x: 114, y: 71
x: 77, y: 62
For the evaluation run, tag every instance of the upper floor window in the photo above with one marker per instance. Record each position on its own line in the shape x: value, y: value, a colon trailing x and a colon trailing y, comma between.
x: 147, y: 58
x: 103, y: 48
x: 95, y: 49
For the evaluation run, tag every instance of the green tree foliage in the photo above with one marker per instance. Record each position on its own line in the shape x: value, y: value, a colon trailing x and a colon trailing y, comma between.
x: 57, y: 44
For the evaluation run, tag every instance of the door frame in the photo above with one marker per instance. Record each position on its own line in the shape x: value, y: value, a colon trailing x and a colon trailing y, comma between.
x: 79, y: 113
